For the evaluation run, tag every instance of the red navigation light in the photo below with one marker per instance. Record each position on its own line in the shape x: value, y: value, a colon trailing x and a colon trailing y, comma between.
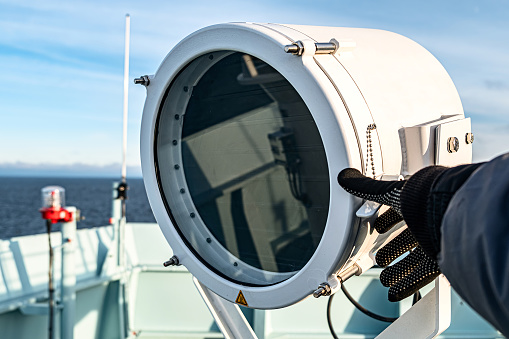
x: 53, y: 202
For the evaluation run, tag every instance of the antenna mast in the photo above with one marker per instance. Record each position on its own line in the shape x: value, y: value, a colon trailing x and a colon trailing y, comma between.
x: 126, y: 95
x: 122, y: 193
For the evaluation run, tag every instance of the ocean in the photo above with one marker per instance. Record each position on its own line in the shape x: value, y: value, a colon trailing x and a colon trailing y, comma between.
x: 20, y: 201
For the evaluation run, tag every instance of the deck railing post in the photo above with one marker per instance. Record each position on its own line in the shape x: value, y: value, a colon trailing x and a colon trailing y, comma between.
x: 68, y: 285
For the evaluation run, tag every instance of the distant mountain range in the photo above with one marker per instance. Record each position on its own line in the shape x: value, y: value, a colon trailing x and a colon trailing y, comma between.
x: 66, y: 170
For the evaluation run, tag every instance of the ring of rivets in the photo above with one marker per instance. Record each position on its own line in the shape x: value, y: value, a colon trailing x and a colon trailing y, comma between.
x: 369, y: 149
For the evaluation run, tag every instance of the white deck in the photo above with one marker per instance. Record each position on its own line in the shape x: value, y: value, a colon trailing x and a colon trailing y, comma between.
x: 163, y: 302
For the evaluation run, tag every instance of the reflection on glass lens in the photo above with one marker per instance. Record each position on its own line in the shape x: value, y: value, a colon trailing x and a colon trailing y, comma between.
x: 254, y: 167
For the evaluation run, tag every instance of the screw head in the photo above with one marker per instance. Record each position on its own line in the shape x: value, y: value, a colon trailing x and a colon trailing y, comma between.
x: 469, y: 138
x: 143, y: 80
x: 453, y: 145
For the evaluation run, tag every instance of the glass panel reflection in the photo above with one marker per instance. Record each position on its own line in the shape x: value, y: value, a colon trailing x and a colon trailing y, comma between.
x: 255, y: 166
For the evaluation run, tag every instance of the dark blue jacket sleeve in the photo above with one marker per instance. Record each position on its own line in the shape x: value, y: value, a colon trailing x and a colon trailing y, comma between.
x: 474, y: 253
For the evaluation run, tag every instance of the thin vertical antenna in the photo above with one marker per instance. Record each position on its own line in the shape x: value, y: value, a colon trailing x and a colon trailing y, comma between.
x: 126, y: 95
x: 122, y: 192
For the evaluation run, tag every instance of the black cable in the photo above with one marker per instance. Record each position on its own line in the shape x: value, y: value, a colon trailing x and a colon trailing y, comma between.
x: 416, y: 298
x: 294, y: 181
x: 329, y: 320
x: 363, y: 310
x: 298, y: 181
x: 290, y: 182
x: 51, y: 289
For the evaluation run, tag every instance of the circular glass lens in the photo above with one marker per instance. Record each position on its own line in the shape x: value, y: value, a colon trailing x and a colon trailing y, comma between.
x: 242, y: 168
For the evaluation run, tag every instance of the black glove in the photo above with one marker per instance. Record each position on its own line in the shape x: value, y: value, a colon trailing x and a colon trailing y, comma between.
x: 414, y: 271
x: 421, y: 201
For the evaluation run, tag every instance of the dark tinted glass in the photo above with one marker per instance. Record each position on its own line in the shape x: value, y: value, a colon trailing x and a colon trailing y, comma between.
x: 255, y: 167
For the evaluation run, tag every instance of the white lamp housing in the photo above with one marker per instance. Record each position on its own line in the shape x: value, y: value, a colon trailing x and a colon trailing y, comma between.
x: 245, y: 128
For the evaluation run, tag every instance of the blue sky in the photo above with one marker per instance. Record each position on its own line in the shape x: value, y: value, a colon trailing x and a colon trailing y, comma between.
x: 61, y: 64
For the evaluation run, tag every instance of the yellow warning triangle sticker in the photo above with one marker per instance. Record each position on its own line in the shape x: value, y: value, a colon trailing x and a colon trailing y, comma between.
x: 241, y: 300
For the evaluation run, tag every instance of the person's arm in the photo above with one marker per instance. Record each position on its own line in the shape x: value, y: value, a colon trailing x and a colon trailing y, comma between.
x: 458, y: 216
x: 422, y: 208
x: 474, y: 252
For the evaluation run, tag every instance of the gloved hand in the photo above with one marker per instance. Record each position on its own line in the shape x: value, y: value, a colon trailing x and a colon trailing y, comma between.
x: 417, y: 269
x: 421, y: 201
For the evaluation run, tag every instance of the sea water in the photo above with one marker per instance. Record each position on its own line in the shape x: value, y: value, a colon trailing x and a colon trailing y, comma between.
x: 20, y: 201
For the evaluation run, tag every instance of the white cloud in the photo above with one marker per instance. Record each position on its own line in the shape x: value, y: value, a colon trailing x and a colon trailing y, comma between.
x: 63, y: 61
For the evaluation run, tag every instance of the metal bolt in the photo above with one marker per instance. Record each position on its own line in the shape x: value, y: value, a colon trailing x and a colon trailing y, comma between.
x: 174, y: 261
x: 211, y: 57
x: 192, y: 215
x: 182, y: 191
x: 349, y: 272
x: 175, y: 142
x: 143, y: 80
x: 469, y: 138
x: 177, y: 116
x: 294, y: 49
x: 177, y: 166
x: 322, y: 290
x: 186, y: 88
x: 325, y: 47
x: 297, y: 48
x: 209, y: 240
x: 235, y: 264
x: 453, y: 145
x: 319, y: 292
